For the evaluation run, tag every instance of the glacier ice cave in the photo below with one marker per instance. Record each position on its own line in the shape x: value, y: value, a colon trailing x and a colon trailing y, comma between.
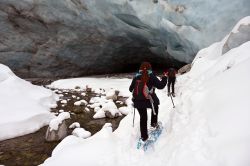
x: 66, y: 38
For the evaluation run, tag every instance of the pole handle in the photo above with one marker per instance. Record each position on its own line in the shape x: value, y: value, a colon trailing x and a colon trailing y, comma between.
x: 134, y: 117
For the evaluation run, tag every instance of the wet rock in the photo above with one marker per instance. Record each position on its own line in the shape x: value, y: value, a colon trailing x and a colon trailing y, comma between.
x: 74, y: 125
x: 81, y: 103
x: 77, y: 87
x: 81, y: 133
x: 77, y: 110
x: 112, y: 94
x: 88, y: 89
x: 56, y: 135
x: 108, y: 114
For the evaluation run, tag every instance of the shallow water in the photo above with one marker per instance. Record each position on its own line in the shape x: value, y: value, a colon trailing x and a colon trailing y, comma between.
x: 32, y: 149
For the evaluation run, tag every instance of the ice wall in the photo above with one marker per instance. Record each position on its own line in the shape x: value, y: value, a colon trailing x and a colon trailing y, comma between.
x: 48, y: 38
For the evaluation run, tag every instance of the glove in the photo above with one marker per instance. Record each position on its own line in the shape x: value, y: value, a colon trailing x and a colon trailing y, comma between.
x: 150, y: 72
x: 165, y: 73
x: 137, y: 74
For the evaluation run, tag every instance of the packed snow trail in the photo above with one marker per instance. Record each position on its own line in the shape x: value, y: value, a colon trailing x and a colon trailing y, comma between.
x: 153, y: 136
x: 209, y: 125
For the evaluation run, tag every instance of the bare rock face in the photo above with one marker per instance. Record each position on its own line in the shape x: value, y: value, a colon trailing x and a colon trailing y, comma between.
x: 56, y: 135
x: 235, y: 39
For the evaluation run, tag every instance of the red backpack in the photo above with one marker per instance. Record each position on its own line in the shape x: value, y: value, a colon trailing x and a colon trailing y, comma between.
x: 141, y: 91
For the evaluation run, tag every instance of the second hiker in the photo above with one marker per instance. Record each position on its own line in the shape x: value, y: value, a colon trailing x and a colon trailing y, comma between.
x: 171, y: 73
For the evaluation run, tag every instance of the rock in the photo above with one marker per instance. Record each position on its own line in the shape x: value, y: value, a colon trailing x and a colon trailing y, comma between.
x: 74, y: 125
x: 77, y: 87
x: 87, y: 109
x: 120, y: 102
x: 81, y: 103
x: 237, y: 37
x: 81, y: 133
x: 57, y: 129
x: 99, y: 114
x: 64, y: 101
x: 96, y: 109
x: 112, y: 94
x: 155, y: 1
x: 89, y: 90
x: 185, y: 69
x: 60, y: 111
x: 108, y: 114
x: 77, y: 110
x: 56, y: 135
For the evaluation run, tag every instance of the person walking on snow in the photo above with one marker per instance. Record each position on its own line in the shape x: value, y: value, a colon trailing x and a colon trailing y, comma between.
x: 171, y: 73
x: 143, y: 88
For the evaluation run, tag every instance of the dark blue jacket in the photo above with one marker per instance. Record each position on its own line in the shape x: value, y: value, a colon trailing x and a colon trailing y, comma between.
x: 152, y: 82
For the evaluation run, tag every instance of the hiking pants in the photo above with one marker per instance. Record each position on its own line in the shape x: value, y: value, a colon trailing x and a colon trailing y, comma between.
x: 144, y: 118
x: 171, y: 81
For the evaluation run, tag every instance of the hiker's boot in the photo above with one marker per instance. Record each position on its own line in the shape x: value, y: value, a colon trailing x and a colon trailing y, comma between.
x: 169, y: 94
x: 173, y: 94
x: 154, y: 126
x: 143, y: 140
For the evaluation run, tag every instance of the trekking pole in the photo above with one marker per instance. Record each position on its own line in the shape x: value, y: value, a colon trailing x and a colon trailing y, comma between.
x: 152, y: 104
x: 134, y: 117
x: 172, y: 100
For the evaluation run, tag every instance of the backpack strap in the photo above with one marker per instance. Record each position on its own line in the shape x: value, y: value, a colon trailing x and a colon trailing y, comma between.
x: 144, y: 92
x: 137, y: 87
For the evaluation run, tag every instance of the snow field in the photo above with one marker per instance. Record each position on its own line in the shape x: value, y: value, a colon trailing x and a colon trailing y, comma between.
x: 208, y: 126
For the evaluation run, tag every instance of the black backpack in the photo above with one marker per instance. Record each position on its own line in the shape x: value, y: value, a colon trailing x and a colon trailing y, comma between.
x: 171, y: 72
x: 141, y: 91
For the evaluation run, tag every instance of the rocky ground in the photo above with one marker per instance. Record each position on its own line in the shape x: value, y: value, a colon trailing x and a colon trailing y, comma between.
x: 32, y: 149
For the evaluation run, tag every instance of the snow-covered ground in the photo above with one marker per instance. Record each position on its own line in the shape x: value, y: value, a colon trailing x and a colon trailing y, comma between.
x: 209, y: 125
x: 95, y: 83
x: 104, y: 86
x: 24, y: 108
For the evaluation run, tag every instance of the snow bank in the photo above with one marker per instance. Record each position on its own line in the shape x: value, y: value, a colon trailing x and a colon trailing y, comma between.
x: 209, y: 126
x: 25, y: 108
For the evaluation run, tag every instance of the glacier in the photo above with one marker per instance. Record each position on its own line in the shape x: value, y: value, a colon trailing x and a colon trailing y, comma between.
x: 47, y: 38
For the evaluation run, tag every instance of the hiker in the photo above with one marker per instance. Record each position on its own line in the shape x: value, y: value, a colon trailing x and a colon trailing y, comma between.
x: 171, y: 73
x: 143, y: 88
